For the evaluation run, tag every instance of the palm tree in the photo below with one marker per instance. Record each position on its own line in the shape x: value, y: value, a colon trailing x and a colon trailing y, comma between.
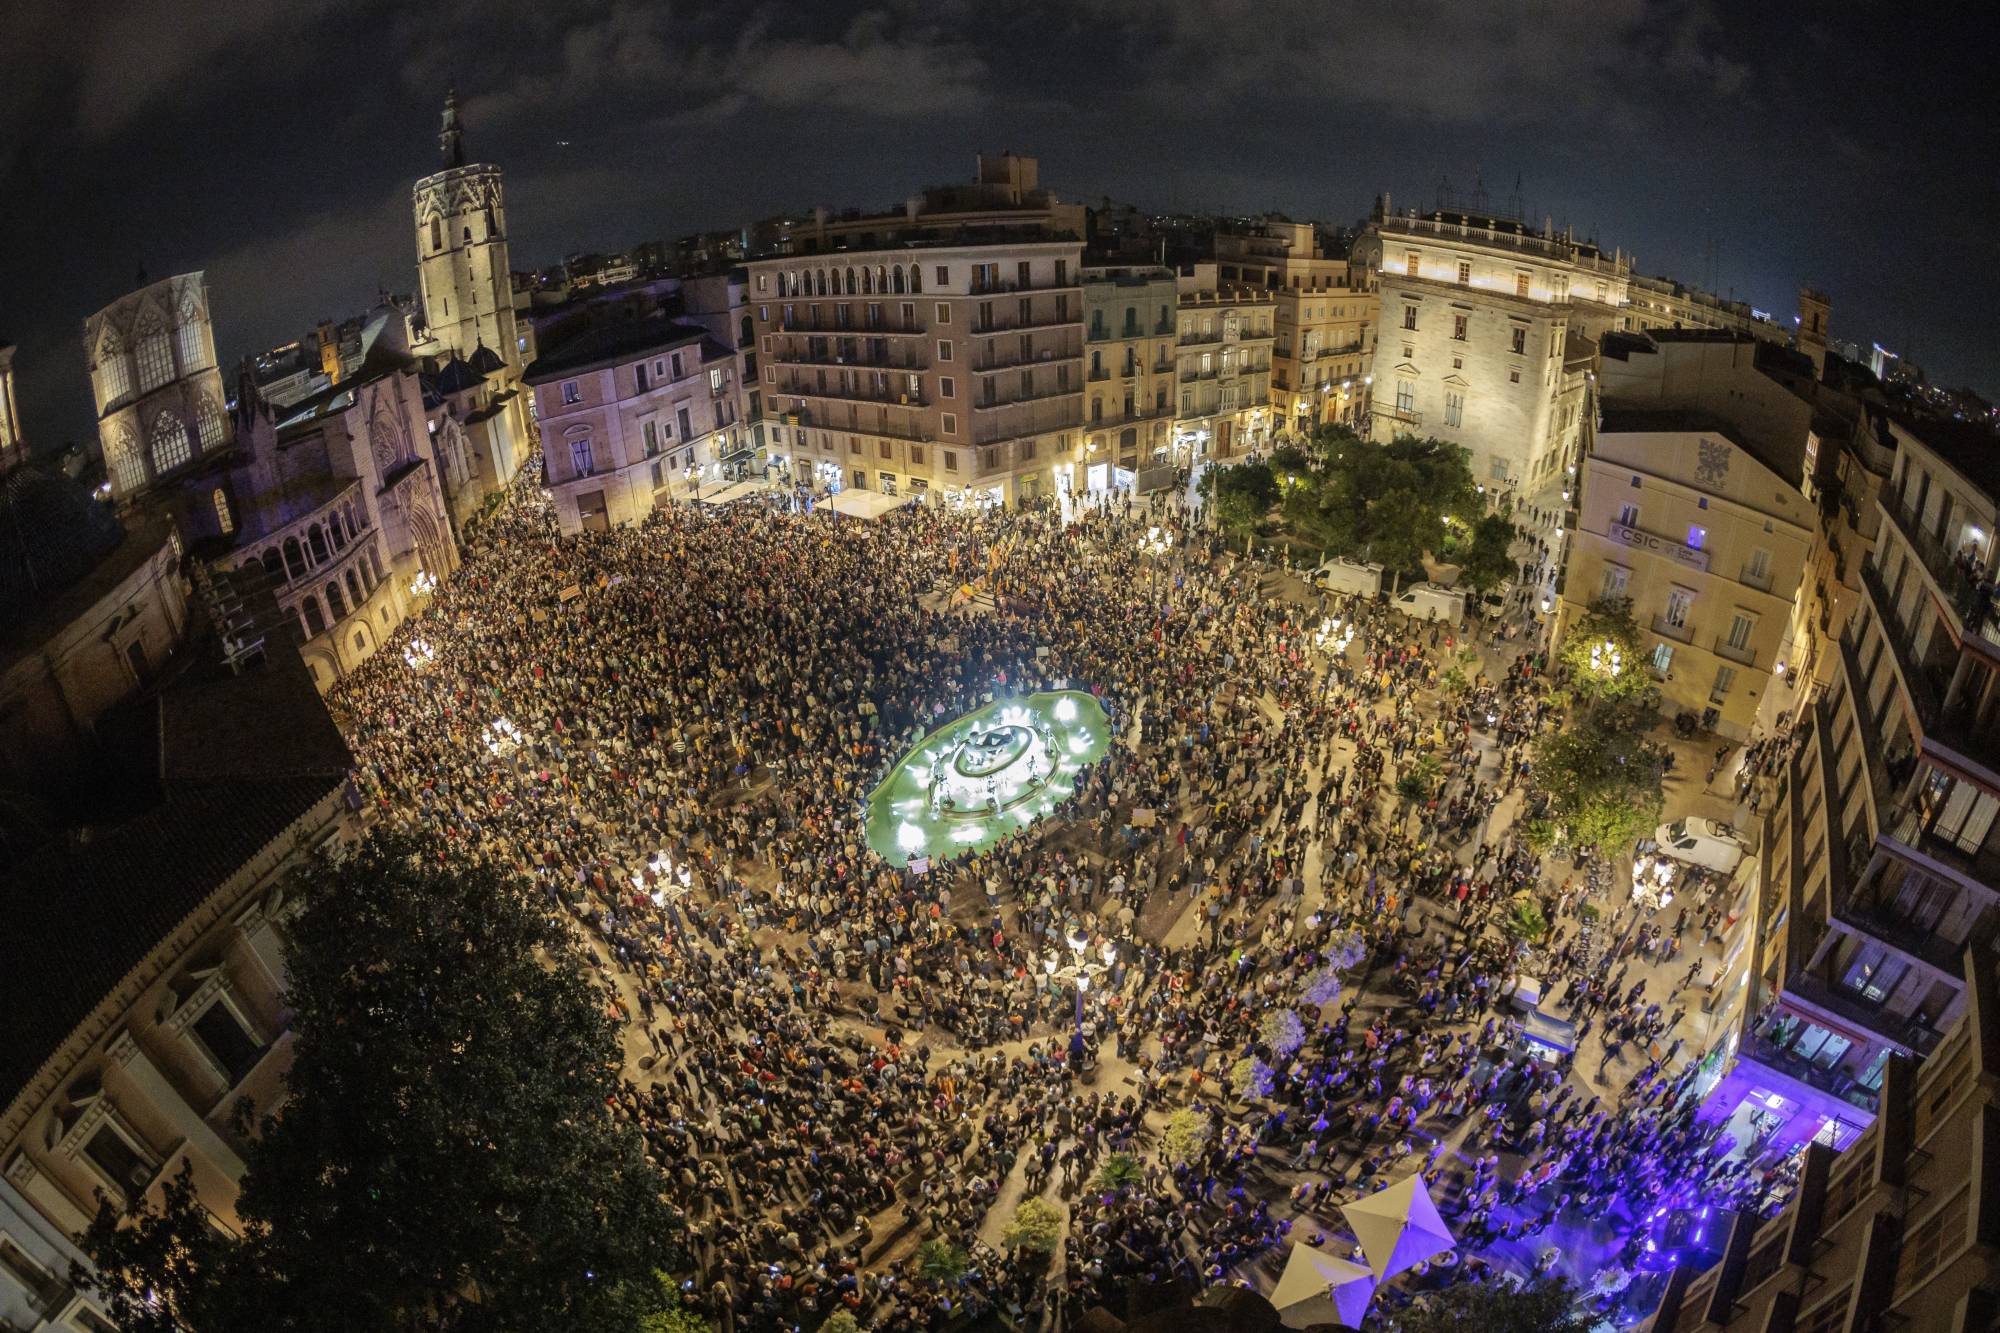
x: 1120, y: 1172
x: 942, y: 1262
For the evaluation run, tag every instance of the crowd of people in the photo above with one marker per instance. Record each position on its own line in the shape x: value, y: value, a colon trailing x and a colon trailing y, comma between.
x: 849, y: 1074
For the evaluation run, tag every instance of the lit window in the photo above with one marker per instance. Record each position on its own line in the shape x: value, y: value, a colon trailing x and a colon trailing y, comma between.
x: 1458, y: 327
x: 1409, y: 317
x: 1663, y: 658
x: 169, y: 443
x: 1454, y: 409
x: 1464, y: 273
x: 1696, y: 536
x: 223, y: 518
x: 156, y: 357
x: 579, y: 457
x: 208, y: 424
x: 571, y: 392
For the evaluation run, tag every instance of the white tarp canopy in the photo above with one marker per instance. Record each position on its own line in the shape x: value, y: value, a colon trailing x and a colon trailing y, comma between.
x: 1398, y: 1227
x: 731, y: 493
x: 1321, y: 1288
x: 866, y: 504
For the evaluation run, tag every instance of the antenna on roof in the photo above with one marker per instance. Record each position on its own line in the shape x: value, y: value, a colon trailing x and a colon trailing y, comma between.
x: 1479, y: 192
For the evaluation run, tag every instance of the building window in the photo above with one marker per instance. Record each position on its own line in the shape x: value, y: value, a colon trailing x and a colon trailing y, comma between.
x: 1409, y: 317
x: 944, y: 350
x: 1696, y: 536
x: 1663, y: 658
x: 114, y: 371
x: 715, y: 380
x: 194, y: 354
x: 1406, y: 396
x: 1513, y: 377
x: 916, y: 455
x: 1521, y: 282
x: 650, y: 431
x: 949, y: 424
x: 579, y: 457
x: 882, y: 449
x: 156, y: 358
x: 1410, y: 263
x: 208, y: 423
x: 1758, y: 568
x: 1464, y: 273
x: 223, y: 518
x: 1497, y: 470
x: 1454, y: 409
x: 1679, y: 602
x: 639, y: 376
x: 1628, y: 516
x: 1740, y: 629
x: 686, y: 425
x: 223, y: 1035
x: 1458, y: 327
x: 1725, y: 679
x: 674, y: 360
x: 169, y: 443
x: 1520, y: 343
x: 1615, y: 580
x: 119, y: 1160
x: 946, y: 388
x: 571, y: 393
x: 950, y: 461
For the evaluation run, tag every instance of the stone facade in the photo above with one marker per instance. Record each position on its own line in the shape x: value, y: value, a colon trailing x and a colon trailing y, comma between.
x: 1130, y: 333
x: 160, y: 405
x: 953, y: 371
x: 1322, y: 359
x: 1224, y: 355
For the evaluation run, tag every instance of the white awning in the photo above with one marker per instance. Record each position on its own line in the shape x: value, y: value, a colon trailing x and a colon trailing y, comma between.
x: 866, y: 504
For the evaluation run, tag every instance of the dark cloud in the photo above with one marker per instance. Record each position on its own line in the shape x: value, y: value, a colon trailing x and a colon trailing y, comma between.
x: 1748, y: 147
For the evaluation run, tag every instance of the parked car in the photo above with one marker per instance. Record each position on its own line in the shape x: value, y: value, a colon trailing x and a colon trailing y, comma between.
x: 1341, y: 574
x: 1432, y: 601
x: 1701, y: 842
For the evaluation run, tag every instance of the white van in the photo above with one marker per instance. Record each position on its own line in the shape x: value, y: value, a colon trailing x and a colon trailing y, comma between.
x: 1701, y: 842
x: 1354, y: 576
x: 1432, y: 601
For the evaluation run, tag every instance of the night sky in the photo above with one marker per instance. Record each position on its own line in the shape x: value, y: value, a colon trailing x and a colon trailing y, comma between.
x: 274, y: 145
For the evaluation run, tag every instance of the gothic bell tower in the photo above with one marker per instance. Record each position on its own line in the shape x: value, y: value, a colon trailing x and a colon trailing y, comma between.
x: 462, y: 268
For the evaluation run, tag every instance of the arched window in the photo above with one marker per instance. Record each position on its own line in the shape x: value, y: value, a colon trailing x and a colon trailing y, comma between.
x: 274, y: 565
x: 169, y: 442
x: 316, y: 539
x: 156, y: 354
x: 333, y: 531
x: 468, y: 234
x: 916, y: 277
x: 295, y: 558
x: 867, y: 281
x: 437, y: 234
x: 315, y: 616
x: 335, y: 602
x: 353, y: 587
x: 850, y: 282
x: 208, y: 424
x: 899, y: 279
x: 223, y: 518
x: 744, y: 336
x: 114, y: 369
x: 192, y: 346
x: 128, y: 470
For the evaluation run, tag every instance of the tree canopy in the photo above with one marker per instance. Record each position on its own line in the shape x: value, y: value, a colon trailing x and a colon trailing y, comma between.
x: 1383, y: 502
x: 444, y: 1159
x: 1486, y: 557
x: 1602, y: 776
x: 1242, y: 494
x: 1490, y: 1307
x: 1605, y: 653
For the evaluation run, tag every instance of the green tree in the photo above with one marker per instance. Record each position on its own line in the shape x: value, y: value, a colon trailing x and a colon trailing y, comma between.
x: 1601, y: 775
x: 1185, y: 1132
x: 1525, y: 918
x: 1035, y: 1227
x: 1384, y: 502
x: 673, y: 1315
x: 1242, y: 494
x: 1487, y: 560
x: 840, y: 1321
x: 443, y: 1160
x: 1489, y: 1307
x: 941, y: 1261
x: 1121, y: 1171
x: 1605, y: 654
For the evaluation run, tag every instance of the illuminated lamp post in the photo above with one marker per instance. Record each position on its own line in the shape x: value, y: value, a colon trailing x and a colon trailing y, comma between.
x: 1079, y: 974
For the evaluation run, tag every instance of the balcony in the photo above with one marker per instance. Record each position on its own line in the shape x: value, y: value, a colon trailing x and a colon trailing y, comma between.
x: 989, y: 365
x: 1402, y: 416
x: 901, y: 398
x: 1849, y: 1007
x: 1667, y: 629
x: 1002, y: 285
x: 995, y: 404
x: 1981, y: 865
x: 987, y: 329
x: 1746, y: 654
x: 887, y: 329
x: 1871, y: 919
x: 1098, y: 375
x: 1834, y: 1083
x: 1925, y: 691
x: 907, y: 361
x: 1961, y: 594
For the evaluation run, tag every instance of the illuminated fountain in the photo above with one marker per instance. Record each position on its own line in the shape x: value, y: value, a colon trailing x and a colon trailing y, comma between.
x: 978, y: 778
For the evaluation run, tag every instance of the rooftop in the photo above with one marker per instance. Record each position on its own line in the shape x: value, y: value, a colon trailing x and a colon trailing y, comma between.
x: 87, y: 906
x: 613, y: 344
x: 1971, y: 448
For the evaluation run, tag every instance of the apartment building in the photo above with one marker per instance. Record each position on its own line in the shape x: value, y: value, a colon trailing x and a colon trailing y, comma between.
x: 1325, y: 320
x: 1004, y: 198
x: 1663, y: 303
x: 1899, y: 1230
x: 634, y: 414
x: 1881, y: 856
x: 1224, y: 355
x: 1130, y: 325
x: 1709, y: 543
x: 1487, y: 338
x: 950, y: 370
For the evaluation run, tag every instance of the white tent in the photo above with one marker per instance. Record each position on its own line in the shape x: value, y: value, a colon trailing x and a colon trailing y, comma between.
x: 856, y: 503
x: 1398, y: 1227
x: 730, y: 494
x: 1319, y: 1288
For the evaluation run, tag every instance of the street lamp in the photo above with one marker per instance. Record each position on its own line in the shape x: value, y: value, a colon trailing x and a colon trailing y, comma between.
x: 1155, y: 543
x: 419, y: 654
x: 1605, y: 659
x: 1079, y: 974
x: 424, y: 584
x: 502, y: 737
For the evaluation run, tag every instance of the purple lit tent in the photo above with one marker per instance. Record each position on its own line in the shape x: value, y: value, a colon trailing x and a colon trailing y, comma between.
x: 1398, y: 1227
x: 1317, y: 1288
